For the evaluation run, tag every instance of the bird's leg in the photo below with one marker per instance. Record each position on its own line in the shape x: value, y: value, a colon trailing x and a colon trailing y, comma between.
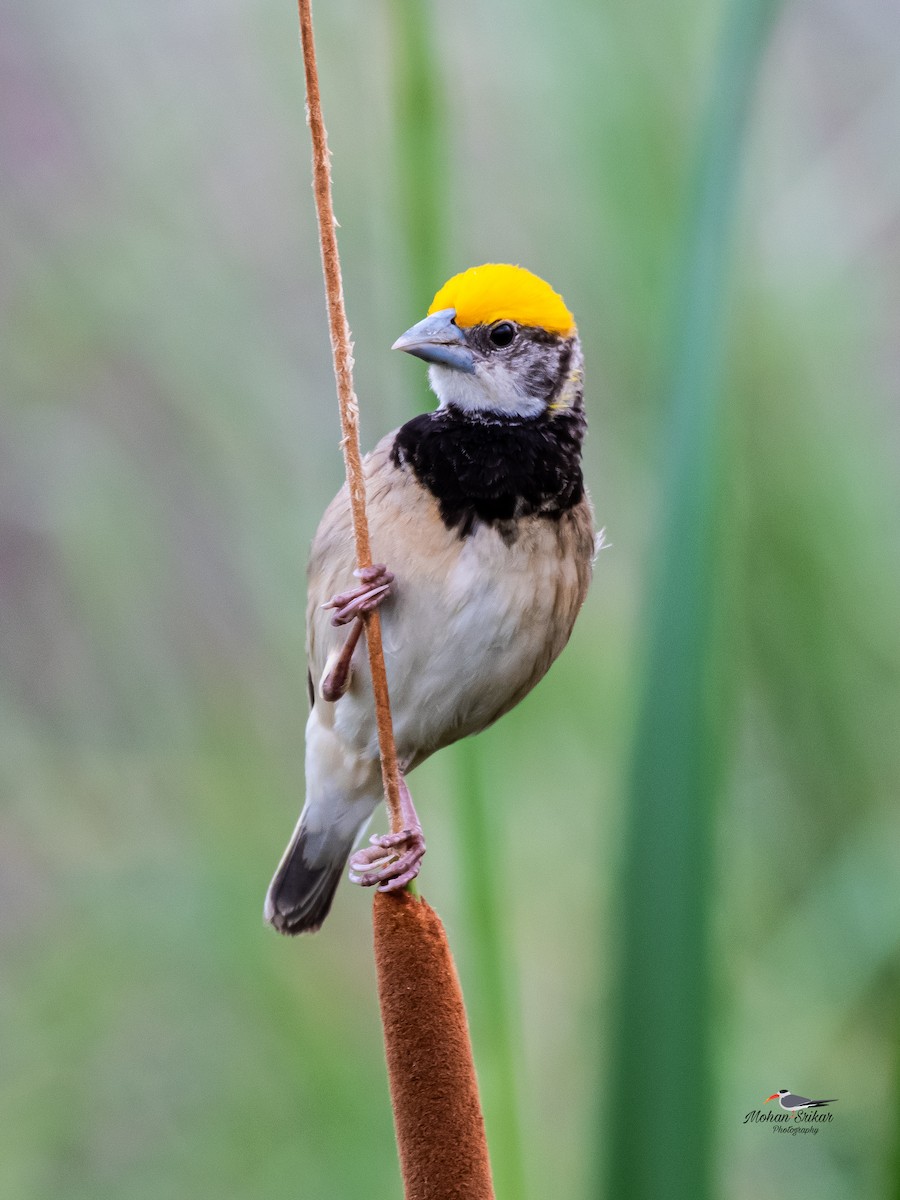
x: 337, y: 680
x: 352, y: 606
x: 376, y: 584
x: 392, y: 859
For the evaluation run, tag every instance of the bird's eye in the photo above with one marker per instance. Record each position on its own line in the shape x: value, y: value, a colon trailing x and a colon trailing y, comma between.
x: 502, y: 333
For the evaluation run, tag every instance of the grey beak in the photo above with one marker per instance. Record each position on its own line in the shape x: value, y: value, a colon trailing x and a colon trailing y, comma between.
x: 438, y: 340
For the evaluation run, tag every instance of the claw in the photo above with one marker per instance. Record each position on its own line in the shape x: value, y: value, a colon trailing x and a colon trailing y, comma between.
x: 379, y: 863
x: 400, y: 881
x: 391, y: 860
x: 378, y: 572
x: 356, y: 602
x: 386, y: 840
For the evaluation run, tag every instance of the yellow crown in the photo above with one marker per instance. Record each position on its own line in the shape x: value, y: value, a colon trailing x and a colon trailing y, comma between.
x: 500, y: 292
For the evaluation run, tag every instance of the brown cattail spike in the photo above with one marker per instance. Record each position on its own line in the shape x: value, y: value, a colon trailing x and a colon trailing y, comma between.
x: 434, y: 1093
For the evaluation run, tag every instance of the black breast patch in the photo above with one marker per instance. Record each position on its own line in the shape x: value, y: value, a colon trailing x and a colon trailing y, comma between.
x: 492, y: 469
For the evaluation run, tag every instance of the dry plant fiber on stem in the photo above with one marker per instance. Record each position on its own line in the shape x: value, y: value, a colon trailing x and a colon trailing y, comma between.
x: 437, y: 1113
x: 434, y: 1093
x: 347, y: 403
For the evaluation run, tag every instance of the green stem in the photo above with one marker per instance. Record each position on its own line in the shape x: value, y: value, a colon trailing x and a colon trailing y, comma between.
x: 662, y: 1050
x: 495, y: 1017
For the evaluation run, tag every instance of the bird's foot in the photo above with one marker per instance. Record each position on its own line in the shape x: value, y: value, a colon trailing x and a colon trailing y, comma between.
x: 386, y: 862
x: 392, y: 860
x: 376, y: 586
x: 353, y: 606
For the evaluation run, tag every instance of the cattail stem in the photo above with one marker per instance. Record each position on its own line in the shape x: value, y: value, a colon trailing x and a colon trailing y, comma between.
x: 437, y: 1113
x: 341, y: 349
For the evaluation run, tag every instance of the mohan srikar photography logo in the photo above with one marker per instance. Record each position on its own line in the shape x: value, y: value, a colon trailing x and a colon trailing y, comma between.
x: 799, y: 1115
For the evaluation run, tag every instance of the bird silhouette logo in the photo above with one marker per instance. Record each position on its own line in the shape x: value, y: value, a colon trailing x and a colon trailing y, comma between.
x: 794, y: 1104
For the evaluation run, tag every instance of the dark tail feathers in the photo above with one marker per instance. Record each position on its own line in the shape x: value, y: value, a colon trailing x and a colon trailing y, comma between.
x: 300, y: 895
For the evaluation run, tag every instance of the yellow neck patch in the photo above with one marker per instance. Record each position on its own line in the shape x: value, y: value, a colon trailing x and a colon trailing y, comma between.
x: 500, y: 292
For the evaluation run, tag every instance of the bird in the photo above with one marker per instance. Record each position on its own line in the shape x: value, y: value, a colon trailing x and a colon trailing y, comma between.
x: 483, y: 535
x: 792, y: 1104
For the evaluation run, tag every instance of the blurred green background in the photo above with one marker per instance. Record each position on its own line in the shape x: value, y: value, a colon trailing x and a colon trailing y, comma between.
x: 692, y: 825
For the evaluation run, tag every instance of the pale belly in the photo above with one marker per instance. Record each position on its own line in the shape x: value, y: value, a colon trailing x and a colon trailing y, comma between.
x: 464, y: 643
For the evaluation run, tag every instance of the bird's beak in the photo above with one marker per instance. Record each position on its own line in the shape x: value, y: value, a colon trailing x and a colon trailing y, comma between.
x: 774, y: 1096
x: 438, y: 340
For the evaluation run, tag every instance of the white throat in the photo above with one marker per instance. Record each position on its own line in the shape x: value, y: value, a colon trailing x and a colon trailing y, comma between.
x: 491, y: 389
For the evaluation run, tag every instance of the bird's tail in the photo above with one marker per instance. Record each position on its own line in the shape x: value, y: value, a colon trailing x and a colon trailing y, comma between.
x: 820, y: 1103
x: 301, y: 892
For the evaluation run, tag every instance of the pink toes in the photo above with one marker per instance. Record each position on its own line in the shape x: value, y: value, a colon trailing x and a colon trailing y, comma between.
x: 376, y: 574
x: 351, y: 605
x: 384, y: 864
x: 376, y: 585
